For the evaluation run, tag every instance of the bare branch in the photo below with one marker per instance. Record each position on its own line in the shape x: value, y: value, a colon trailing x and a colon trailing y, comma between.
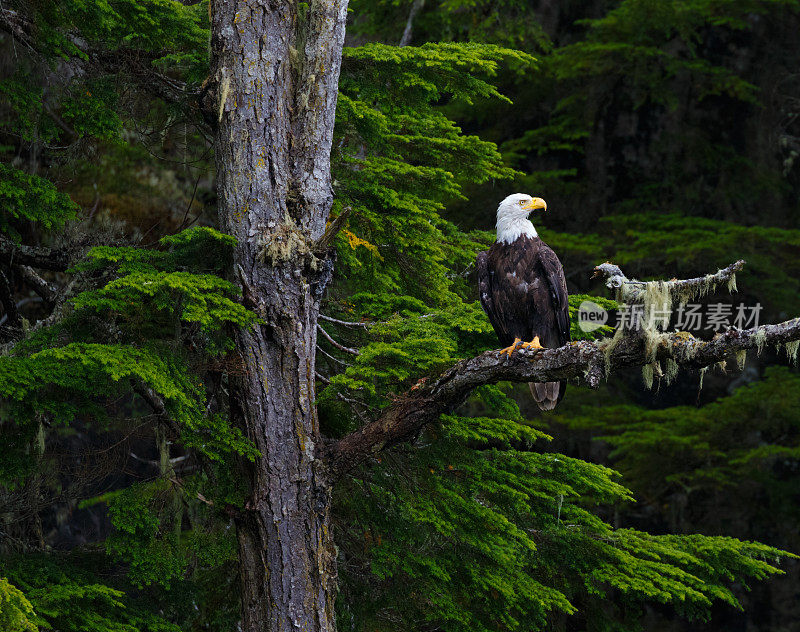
x: 589, y: 362
x: 7, y: 299
x: 322, y: 378
x: 405, y: 40
x: 45, y: 258
x: 339, y: 346
x: 12, y: 22
x: 156, y: 404
x: 331, y: 357
x: 45, y: 290
x: 344, y: 323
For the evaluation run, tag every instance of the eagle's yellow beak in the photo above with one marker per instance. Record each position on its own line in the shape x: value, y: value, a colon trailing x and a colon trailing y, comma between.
x: 535, y: 204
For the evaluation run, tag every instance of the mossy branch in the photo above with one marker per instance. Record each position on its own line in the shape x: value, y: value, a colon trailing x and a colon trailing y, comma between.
x: 631, y: 290
x: 587, y: 361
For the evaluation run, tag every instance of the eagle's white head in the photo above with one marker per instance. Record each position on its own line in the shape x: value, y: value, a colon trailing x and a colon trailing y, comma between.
x: 512, y: 217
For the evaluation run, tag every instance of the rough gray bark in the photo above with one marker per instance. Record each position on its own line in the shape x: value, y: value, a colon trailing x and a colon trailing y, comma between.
x: 276, y: 70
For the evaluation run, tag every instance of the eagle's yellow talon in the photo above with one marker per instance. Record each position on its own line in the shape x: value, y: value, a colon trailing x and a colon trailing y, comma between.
x: 510, y: 348
x: 533, y: 344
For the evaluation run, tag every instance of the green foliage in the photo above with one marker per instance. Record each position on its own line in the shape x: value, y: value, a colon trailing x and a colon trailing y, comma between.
x: 91, y: 109
x: 168, y: 288
x: 148, y: 535
x: 16, y: 612
x: 473, y: 529
x: 121, y: 25
x: 732, y: 443
x: 399, y: 159
x: 67, y: 597
x: 28, y: 197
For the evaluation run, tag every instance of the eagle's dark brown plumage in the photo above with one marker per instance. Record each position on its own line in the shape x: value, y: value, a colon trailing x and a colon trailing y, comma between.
x: 523, y: 291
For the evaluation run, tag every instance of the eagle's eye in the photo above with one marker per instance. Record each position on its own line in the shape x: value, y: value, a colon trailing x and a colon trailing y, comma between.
x: 521, y: 202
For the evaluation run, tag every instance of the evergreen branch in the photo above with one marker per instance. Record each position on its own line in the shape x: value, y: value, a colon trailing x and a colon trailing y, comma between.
x: 137, y: 63
x: 425, y: 402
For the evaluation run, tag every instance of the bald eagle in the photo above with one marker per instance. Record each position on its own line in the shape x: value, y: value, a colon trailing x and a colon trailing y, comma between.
x: 523, y: 289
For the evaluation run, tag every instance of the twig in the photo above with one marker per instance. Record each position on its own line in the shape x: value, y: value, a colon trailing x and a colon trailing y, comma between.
x: 339, y: 346
x: 330, y: 357
x: 345, y: 323
x: 322, y: 378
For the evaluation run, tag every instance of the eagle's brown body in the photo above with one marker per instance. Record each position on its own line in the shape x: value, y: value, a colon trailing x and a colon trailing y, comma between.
x: 523, y: 291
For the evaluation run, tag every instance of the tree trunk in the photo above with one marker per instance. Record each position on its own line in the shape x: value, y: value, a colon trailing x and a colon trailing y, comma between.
x: 276, y: 70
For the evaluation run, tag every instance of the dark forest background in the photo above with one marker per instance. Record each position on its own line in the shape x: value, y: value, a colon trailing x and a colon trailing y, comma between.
x: 664, y: 136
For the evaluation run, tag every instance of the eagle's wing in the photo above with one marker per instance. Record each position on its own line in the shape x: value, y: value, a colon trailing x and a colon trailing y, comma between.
x: 486, y: 294
x: 557, y: 283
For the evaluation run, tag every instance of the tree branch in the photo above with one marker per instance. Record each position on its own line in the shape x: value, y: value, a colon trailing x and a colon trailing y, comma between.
x: 7, y: 299
x: 588, y: 361
x: 137, y: 63
x: 344, y: 323
x: 339, y: 346
x: 45, y: 258
x: 45, y: 290
x: 584, y: 360
x: 632, y: 290
x: 405, y: 40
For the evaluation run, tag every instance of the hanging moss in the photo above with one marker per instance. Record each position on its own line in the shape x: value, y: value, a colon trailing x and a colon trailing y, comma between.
x: 791, y: 349
x: 702, y: 375
x: 657, y: 305
x: 671, y: 371
x: 741, y: 358
x: 608, y: 344
x: 760, y: 338
x: 647, y: 376
x: 732, y: 284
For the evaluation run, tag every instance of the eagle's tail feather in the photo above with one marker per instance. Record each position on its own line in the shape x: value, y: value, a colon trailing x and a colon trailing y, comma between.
x: 547, y: 394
